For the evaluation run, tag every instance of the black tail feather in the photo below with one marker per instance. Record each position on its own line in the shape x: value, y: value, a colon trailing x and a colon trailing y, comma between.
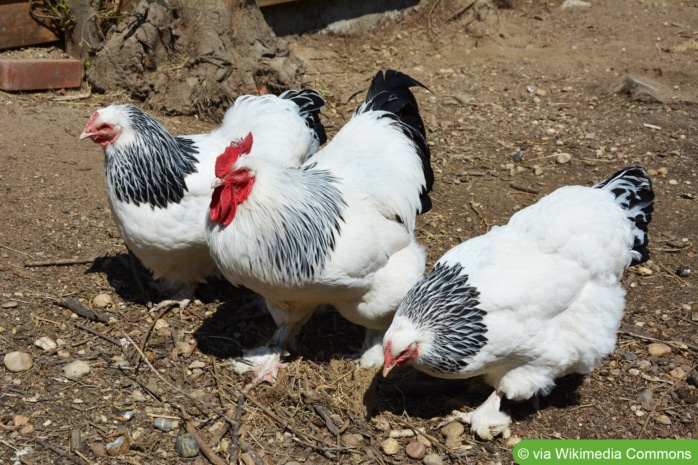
x: 310, y: 104
x: 633, y: 191
x: 390, y: 92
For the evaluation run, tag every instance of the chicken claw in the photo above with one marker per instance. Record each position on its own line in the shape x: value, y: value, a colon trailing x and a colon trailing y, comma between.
x: 486, y: 420
x: 264, y: 361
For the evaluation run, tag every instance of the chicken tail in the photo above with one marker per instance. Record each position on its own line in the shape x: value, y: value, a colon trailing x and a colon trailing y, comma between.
x: 390, y: 92
x: 633, y: 192
x: 310, y: 103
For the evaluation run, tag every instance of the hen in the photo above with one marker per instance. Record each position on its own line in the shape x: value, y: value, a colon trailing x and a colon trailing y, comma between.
x: 530, y: 301
x: 338, y: 230
x: 159, y: 185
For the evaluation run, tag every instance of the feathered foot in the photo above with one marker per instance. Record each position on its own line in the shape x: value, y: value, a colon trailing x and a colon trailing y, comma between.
x: 266, y: 361
x: 487, y: 421
x: 181, y: 297
x: 372, y: 349
x: 182, y: 304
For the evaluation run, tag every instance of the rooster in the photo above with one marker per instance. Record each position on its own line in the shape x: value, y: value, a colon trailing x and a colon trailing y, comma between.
x: 528, y: 302
x: 337, y: 231
x: 159, y: 185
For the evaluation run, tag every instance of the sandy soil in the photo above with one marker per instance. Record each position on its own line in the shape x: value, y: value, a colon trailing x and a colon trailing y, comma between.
x: 536, y: 82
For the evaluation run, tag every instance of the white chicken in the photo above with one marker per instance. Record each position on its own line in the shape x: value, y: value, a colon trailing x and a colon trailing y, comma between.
x: 531, y: 301
x: 159, y: 185
x: 339, y: 230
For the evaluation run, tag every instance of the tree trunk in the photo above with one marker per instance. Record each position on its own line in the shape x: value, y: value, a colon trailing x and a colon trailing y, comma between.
x: 193, y: 56
x: 84, y: 39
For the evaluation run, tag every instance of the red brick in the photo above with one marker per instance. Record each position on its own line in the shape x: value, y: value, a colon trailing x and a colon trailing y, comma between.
x: 38, y: 74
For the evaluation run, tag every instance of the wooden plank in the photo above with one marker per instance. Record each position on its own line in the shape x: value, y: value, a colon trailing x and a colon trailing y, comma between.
x: 18, y: 28
x: 263, y: 3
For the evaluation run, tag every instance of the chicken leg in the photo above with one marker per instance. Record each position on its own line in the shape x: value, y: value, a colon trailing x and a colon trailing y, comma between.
x: 266, y: 361
x: 486, y: 420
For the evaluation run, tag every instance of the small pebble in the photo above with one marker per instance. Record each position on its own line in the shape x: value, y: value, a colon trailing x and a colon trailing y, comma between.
x: 563, y: 158
x: 102, y: 301
x: 352, y: 440
x: 633, y: 372
x: 643, y: 271
x: 453, y: 429
x: 432, y: 459
x: 415, y: 450
x: 662, y: 171
x: 163, y: 424
x: 76, y: 369
x: 18, y: 361
x: 678, y: 373
x: 644, y: 396
x: 186, y: 445
x: 382, y: 425
x: 45, y: 343
x: 663, y: 419
x: 684, y: 271
x: 390, y: 446
x: 119, y: 446
x: 10, y: 304
x: 657, y: 349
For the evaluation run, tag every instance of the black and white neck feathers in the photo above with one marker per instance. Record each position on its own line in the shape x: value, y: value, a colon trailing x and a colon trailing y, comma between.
x: 298, y: 234
x: 444, y: 305
x: 148, y: 165
x: 633, y: 192
x: 309, y: 104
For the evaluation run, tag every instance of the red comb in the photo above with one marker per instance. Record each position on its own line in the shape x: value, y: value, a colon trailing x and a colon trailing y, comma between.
x: 226, y: 160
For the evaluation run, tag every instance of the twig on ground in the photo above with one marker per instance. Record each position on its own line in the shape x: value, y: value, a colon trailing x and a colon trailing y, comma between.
x: 147, y: 334
x: 78, y: 308
x: 176, y: 388
x: 203, y: 445
x: 677, y: 344
x: 479, y: 215
x: 60, y: 262
x: 116, y: 342
x: 654, y: 408
x: 681, y: 282
x: 460, y: 12
x: 61, y: 452
x: 236, y: 426
x: 15, y: 250
x: 286, y: 425
x: 527, y: 190
x: 70, y: 98
x: 431, y: 438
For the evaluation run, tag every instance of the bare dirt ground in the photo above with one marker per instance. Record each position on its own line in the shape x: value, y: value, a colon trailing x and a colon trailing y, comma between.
x: 511, y: 90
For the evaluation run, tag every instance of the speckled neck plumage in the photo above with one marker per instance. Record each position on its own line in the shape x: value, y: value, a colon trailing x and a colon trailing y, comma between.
x: 151, y: 171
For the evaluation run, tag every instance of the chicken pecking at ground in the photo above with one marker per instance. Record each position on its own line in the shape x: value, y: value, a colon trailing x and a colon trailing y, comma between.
x: 159, y: 185
x: 531, y: 301
x: 337, y: 231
